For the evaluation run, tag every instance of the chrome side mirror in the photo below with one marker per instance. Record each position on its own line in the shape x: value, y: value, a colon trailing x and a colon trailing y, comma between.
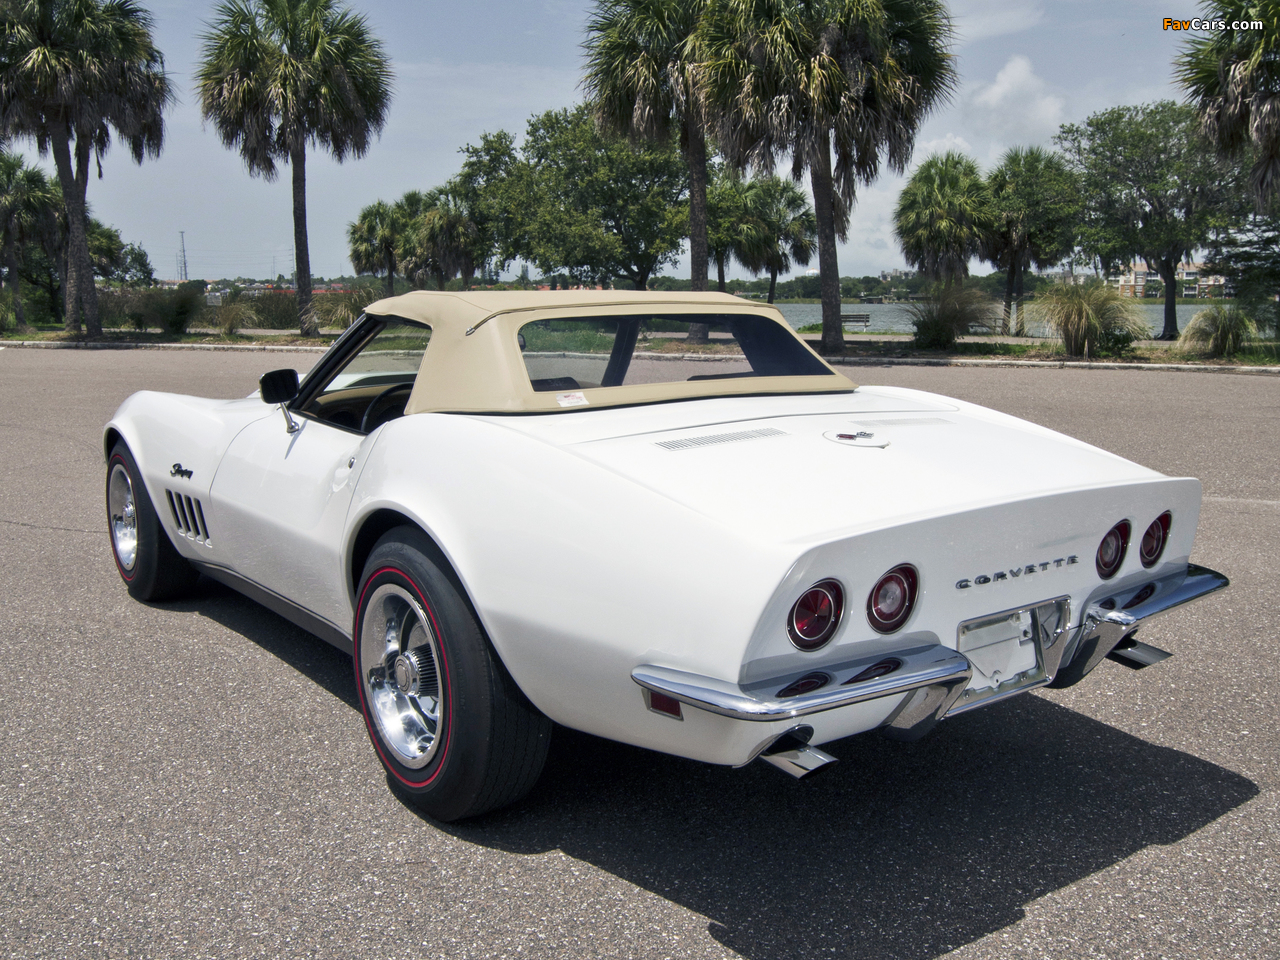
x: 280, y: 386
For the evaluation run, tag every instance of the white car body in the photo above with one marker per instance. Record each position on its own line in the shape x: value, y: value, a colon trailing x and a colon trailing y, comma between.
x: 615, y: 552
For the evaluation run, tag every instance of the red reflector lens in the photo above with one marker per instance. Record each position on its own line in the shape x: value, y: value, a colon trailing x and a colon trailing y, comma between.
x: 661, y: 703
x: 1154, y: 539
x: 1112, y: 549
x: 816, y: 615
x: 892, y: 598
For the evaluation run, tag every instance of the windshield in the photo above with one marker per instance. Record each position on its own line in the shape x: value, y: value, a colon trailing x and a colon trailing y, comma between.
x: 582, y: 354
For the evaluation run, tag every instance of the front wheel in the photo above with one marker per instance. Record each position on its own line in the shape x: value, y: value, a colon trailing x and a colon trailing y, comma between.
x: 149, y: 564
x: 452, y: 729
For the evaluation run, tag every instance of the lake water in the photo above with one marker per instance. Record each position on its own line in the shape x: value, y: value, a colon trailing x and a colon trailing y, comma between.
x: 896, y: 317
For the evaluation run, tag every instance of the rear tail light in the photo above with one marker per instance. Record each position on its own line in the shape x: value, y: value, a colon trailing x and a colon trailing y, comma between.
x: 1112, y: 549
x: 1154, y: 539
x: 892, y: 598
x: 814, y: 618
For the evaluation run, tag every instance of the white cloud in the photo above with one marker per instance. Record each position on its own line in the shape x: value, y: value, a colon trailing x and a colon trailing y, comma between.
x: 1016, y: 107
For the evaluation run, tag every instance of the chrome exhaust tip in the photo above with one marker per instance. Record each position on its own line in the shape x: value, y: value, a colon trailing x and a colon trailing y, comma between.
x: 793, y: 756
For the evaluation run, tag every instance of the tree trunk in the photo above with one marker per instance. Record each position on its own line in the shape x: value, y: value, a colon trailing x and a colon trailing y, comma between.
x: 828, y: 265
x: 719, y: 280
x: 697, y: 204
x: 773, y: 285
x: 301, y: 252
x: 14, y: 284
x: 1169, y: 276
x: 1008, y: 295
x: 391, y: 274
x: 60, y: 144
x: 1021, y: 328
x: 88, y: 287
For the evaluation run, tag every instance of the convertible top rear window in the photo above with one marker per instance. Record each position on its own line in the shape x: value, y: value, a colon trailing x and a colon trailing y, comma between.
x: 587, y: 353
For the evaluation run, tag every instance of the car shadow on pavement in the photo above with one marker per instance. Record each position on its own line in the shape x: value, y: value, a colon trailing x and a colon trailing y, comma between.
x: 312, y: 657
x: 899, y: 851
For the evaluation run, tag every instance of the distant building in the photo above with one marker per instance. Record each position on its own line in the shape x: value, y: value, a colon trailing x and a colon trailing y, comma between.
x: 1191, y: 279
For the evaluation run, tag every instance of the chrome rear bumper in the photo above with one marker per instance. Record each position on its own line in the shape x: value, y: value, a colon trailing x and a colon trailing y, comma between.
x: 1117, y: 618
x: 934, y: 676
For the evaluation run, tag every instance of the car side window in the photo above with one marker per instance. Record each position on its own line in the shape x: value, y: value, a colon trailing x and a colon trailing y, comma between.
x: 374, y: 384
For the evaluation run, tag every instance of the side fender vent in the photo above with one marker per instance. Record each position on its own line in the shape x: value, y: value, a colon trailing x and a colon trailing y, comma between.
x: 713, y: 438
x: 188, y: 517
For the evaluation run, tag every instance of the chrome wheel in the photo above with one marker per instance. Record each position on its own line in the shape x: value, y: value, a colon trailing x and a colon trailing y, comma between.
x: 399, y: 667
x: 122, y: 516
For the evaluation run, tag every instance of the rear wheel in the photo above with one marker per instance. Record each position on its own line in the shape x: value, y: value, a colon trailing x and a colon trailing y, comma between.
x: 452, y: 729
x: 149, y: 564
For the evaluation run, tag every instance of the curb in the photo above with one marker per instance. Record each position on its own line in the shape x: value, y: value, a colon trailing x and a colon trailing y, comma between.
x: 76, y: 345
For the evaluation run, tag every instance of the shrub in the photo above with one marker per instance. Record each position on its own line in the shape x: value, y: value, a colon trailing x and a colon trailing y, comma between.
x: 186, y: 303
x: 939, y: 322
x: 1092, y: 318
x: 1220, y: 330
x: 276, y: 310
x: 342, y: 309
x: 232, y: 317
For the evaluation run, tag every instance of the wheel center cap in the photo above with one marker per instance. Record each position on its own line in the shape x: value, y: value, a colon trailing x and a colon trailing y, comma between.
x: 406, y: 671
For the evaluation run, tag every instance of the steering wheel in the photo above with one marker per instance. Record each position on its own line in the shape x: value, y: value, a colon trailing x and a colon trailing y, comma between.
x: 368, y: 411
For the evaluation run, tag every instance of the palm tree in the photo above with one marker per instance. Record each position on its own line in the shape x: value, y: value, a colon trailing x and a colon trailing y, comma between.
x: 786, y: 229
x: 72, y: 72
x: 944, y: 217
x: 374, y: 241
x: 817, y: 78
x: 1233, y: 76
x: 279, y: 76
x: 25, y: 200
x: 641, y: 79
x: 443, y: 241
x: 1035, y: 201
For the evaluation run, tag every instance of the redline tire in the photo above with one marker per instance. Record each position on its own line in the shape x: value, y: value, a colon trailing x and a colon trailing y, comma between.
x: 451, y: 728
x: 148, y: 563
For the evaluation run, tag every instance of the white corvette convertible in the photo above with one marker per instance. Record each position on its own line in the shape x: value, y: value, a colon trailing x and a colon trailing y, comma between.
x: 513, y: 509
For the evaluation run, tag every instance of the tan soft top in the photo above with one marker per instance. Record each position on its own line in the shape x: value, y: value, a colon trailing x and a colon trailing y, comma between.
x: 474, y: 364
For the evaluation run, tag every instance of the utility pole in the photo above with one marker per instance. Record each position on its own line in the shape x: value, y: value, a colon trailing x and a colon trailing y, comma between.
x: 182, y: 256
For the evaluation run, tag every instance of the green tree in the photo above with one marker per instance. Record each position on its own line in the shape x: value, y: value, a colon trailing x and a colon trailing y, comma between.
x: 836, y: 84
x: 592, y: 205
x: 279, y: 76
x: 785, y: 229
x: 443, y: 241
x: 135, y: 267
x: 1247, y: 256
x: 1151, y: 188
x: 642, y: 82
x: 25, y: 202
x: 1035, y: 201
x: 72, y: 74
x: 1233, y: 76
x: 727, y: 220
x: 944, y: 218
x: 374, y: 239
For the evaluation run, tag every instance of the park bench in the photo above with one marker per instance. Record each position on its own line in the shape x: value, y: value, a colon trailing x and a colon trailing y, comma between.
x: 856, y: 320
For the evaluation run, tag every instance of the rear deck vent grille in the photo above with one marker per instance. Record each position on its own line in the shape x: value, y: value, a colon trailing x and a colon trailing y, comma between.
x: 904, y: 422
x: 188, y: 517
x: 712, y: 438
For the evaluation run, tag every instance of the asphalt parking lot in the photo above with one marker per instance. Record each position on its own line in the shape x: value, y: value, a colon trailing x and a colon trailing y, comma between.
x: 194, y: 779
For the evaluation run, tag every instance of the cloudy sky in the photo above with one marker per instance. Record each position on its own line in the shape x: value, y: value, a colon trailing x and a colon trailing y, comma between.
x: 466, y: 68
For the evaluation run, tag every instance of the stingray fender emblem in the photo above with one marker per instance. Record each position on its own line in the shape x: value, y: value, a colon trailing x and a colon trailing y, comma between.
x: 180, y: 471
